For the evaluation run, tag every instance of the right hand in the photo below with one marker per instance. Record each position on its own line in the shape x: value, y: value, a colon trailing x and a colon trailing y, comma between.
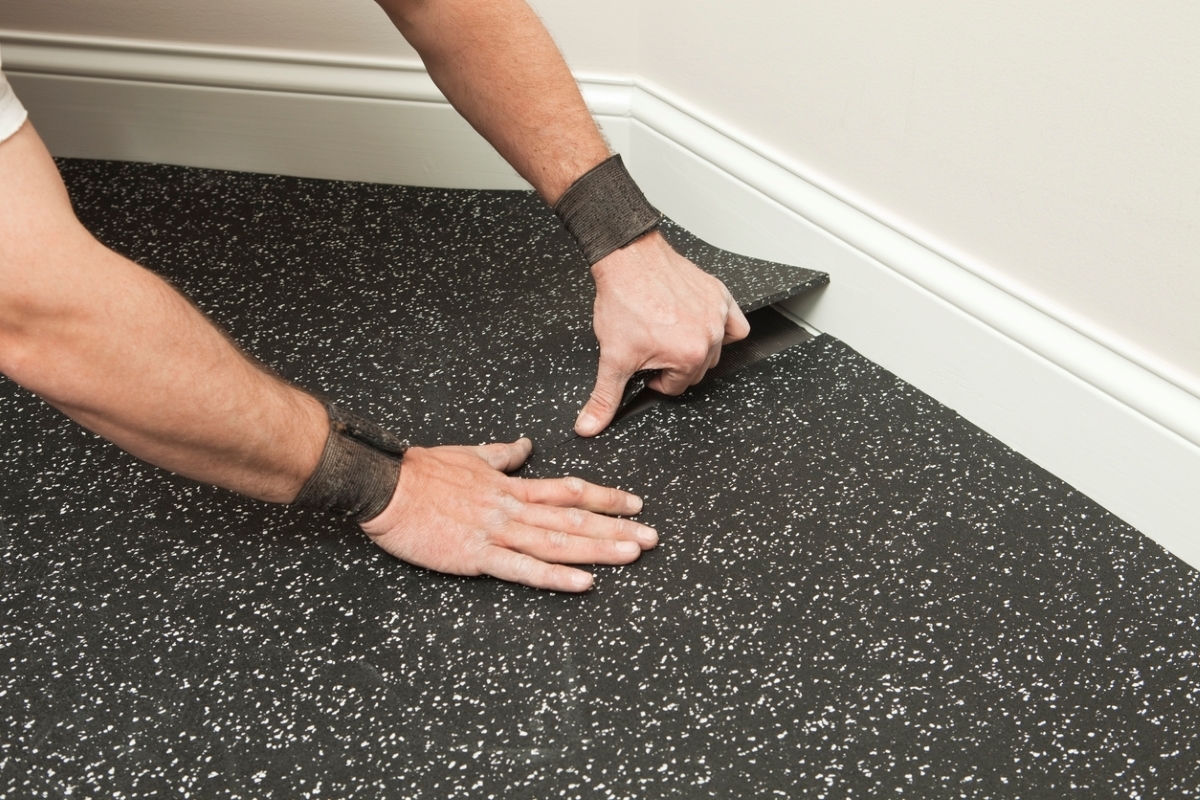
x: 455, y: 510
x: 655, y: 310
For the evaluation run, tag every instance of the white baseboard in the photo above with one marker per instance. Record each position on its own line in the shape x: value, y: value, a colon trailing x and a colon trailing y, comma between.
x: 261, y: 111
x: 1104, y: 422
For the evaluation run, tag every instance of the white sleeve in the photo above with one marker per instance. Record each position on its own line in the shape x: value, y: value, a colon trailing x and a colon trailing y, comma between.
x: 12, y: 113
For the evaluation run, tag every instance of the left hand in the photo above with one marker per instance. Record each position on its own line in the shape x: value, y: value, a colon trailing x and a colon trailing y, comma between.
x: 655, y: 310
x: 455, y: 510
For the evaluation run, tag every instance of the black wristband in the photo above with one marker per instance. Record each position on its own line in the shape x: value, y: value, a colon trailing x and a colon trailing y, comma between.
x: 605, y: 210
x: 358, y: 470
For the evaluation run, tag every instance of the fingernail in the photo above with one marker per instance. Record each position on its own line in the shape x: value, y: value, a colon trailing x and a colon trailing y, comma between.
x: 628, y: 548
x: 648, y: 535
x: 635, y: 505
x: 586, y: 424
x: 581, y: 580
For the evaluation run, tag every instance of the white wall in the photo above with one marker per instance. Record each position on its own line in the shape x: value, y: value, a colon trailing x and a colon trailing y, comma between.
x: 596, y: 36
x: 345, y: 26
x: 1056, y: 145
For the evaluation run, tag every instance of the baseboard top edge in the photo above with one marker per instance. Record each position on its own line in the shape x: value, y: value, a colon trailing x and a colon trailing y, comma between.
x: 239, y: 67
x: 113, y: 44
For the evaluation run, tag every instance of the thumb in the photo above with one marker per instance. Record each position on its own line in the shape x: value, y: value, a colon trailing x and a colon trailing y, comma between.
x: 606, y: 398
x: 737, y: 327
x: 505, y: 456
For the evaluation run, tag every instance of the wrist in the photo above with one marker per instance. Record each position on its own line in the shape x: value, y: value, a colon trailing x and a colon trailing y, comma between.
x: 388, y: 519
x: 605, y: 210
x: 310, y: 434
x: 641, y: 255
x: 358, y: 470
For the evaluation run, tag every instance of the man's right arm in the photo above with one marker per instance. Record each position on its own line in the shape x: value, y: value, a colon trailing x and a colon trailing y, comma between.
x: 121, y: 352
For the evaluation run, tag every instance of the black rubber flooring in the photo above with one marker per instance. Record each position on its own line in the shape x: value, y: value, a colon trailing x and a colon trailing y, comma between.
x: 857, y: 593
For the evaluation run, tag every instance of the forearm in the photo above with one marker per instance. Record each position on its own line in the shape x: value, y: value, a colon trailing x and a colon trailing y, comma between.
x: 130, y: 359
x: 498, y: 66
x: 120, y: 351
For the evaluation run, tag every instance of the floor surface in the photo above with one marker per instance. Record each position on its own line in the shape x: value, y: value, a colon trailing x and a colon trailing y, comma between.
x: 857, y: 593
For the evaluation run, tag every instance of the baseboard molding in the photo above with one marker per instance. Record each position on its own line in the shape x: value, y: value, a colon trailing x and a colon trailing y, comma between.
x: 1095, y: 414
x: 257, y: 110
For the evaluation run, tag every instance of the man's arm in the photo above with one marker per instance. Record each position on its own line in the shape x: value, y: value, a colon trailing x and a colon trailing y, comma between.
x: 117, y: 349
x: 495, y: 61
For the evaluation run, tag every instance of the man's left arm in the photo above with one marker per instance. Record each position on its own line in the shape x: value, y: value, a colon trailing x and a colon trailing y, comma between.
x: 498, y: 66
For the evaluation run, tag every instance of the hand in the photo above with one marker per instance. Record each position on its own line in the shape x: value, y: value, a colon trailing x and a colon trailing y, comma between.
x: 455, y: 511
x: 655, y: 310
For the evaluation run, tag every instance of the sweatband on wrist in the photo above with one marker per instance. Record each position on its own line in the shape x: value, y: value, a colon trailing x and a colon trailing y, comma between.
x: 605, y: 210
x: 358, y: 470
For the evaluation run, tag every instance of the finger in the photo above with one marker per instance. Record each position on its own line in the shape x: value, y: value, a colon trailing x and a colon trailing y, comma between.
x: 611, y: 378
x: 714, y: 355
x: 714, y: 358
x: 559, y: 547
x: 737, y: 327
x: 577, y: 493
x: 670, y: 381
x: 528, y: 571
x: 577, y: 522
x: 504, y: 456
x: 676, y: 381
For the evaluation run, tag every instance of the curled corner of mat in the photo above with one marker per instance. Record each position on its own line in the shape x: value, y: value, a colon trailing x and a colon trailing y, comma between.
x: 754, y: 282
x: 756, y: 286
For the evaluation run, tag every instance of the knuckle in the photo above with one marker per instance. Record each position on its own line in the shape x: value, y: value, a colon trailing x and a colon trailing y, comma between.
x: 509, y: 504
x: 576, y: 518
x: 573, y: 485
x: 558, y: 541
x: 615, y: 498
x: 602, y: 399
x: 498, y: 510
x: 695, y: 352
x: 524, y: 569
x: 495, y: 519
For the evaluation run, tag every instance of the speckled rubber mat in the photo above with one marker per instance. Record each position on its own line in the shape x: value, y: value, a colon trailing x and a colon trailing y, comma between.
x: 454, y: 316
x: 857, y: 593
